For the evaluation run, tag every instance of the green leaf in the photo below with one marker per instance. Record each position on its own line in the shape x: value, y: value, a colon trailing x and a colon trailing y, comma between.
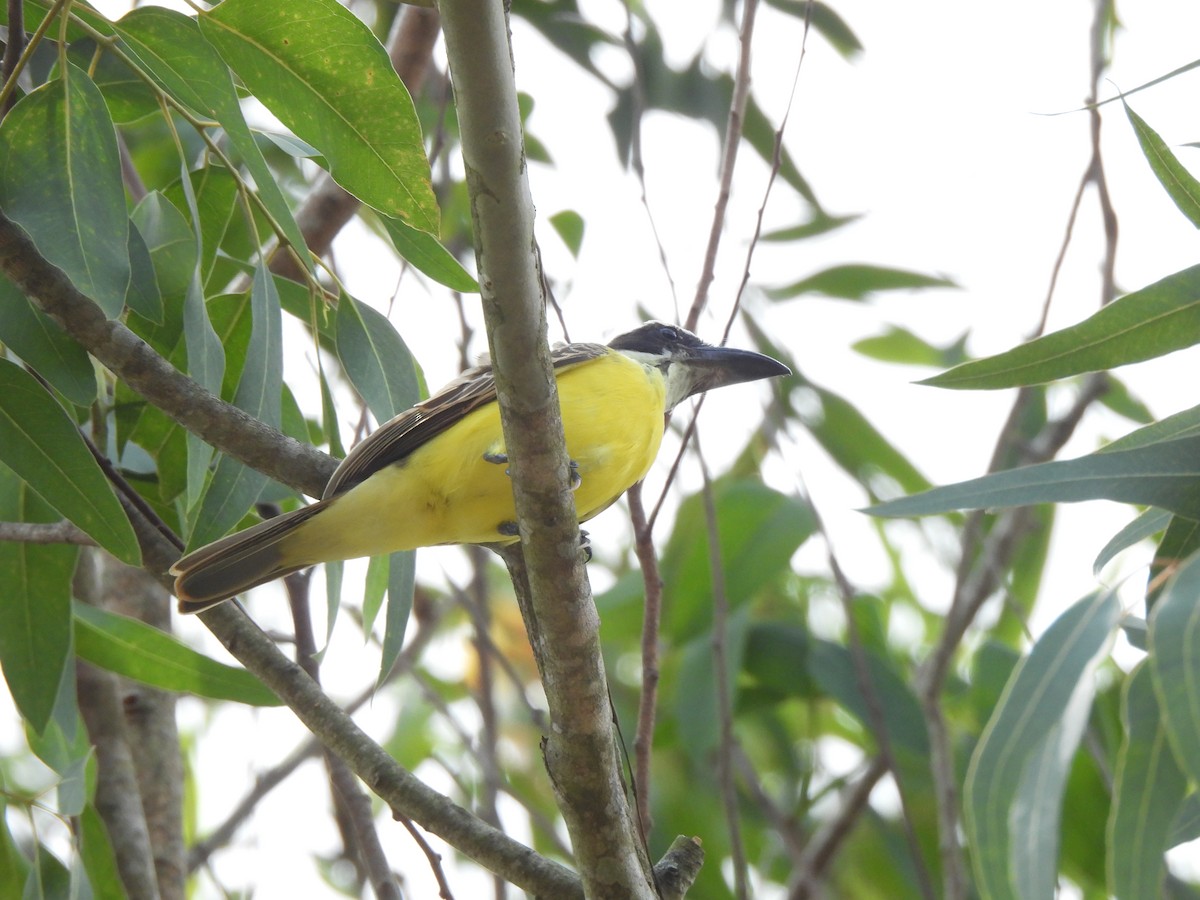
x: 37, y: 10
x: 1122, y: 401
x: 826, y: 22
x: 96, y: 854
x: 327, y: 78
x: 759, y: 530
x: 170, y: 46
x: 227, y: 240
x: 374, y: 590
x: 776, y: 659
x: 1179, y: 542
x: 41, y: 444
x: 35, y: 615
x: 899, y: 345
x: 1015, y: 782
x: 426, y: 254
x: 206, y: 366
x: 235, y: 486
x: 1149, y: 523
x: 376, y: 359
x: 831, y: 666
x: 1186, y: 826
x: 1154, y: 321
x: 129, y: 97
x: 569, y: 225
x: 402, y: 575
x: 68, y: 754
x: 820, y: 223
x: 1166, y: 475
x: 172, y: 244
x: 49, y: 878
x: 1185, y: 423
x: 1178, y: 181
x: 60, y: 180
x: 855, y: 444
x: 856, y: 281
x: 1136, y: 631
x: 695, y: 700
x: 260, y: 389
x: 136, y: 650
x: 834, y: 29
x: 13, y: 864
x: 1174, y: 637
x: 143, y: 296
x: 1148, y: 792
x: 40, y: 342
x: 329, y: 416
x: 760, y: 133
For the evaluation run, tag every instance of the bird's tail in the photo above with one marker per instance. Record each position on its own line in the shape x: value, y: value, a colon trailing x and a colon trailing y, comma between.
x: 221, y: 570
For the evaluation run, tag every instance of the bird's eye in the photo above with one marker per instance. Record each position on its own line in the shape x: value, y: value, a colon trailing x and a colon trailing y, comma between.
x: 668, y: 333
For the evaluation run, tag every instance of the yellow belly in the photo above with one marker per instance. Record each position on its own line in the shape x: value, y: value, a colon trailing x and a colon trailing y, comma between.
x: 446, y: 492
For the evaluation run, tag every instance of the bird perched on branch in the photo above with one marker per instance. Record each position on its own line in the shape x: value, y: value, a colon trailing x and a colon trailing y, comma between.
x: 436, y: 474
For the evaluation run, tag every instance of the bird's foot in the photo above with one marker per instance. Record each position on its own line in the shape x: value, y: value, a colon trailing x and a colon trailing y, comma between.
x: 575, y: 478
x: 509, y: 529
x: 585, y: 545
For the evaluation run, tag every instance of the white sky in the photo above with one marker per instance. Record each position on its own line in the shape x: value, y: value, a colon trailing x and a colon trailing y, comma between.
x: 933, y: 133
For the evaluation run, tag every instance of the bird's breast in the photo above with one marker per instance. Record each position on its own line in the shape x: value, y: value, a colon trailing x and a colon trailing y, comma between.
x: 455, y: 489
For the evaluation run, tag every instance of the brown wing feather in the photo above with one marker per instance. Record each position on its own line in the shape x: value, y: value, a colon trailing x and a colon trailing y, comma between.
x: 394, y: 440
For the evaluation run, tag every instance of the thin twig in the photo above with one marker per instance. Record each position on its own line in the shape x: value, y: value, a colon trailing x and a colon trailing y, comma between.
x: 435, y: 858
x: 483, y: 640
x: 13, y: 48
x: 643, y: 742
x: 821, y: 850
x: 485, y: 696
x: 351, y: 804
x: 783, y: 824
x: 733, y: 140
x: 697, y: 405
x: 720, y: 647
x: 776, y: 165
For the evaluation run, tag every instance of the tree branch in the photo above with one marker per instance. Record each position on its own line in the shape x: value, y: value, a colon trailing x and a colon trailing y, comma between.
x: 396, y: 786
x: 64, y: 532
x: 547, y: 566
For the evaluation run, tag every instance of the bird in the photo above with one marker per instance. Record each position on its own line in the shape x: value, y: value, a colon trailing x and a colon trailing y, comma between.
x: 437, y: 473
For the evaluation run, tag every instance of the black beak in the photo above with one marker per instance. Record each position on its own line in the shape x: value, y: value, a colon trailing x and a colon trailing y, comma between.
x: 714, y: 367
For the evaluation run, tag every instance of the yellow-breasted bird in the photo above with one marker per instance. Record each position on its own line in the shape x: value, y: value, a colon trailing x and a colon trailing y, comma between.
x: 436, y: 474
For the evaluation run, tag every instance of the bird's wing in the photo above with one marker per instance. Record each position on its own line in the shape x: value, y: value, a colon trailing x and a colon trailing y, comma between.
x: 394, y: 440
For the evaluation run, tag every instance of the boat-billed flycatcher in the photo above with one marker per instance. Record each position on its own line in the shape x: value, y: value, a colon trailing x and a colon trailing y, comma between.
x: 436, y: 474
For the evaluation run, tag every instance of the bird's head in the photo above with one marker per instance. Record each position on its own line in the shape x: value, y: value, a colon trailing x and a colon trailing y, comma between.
x: 690, y: 366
